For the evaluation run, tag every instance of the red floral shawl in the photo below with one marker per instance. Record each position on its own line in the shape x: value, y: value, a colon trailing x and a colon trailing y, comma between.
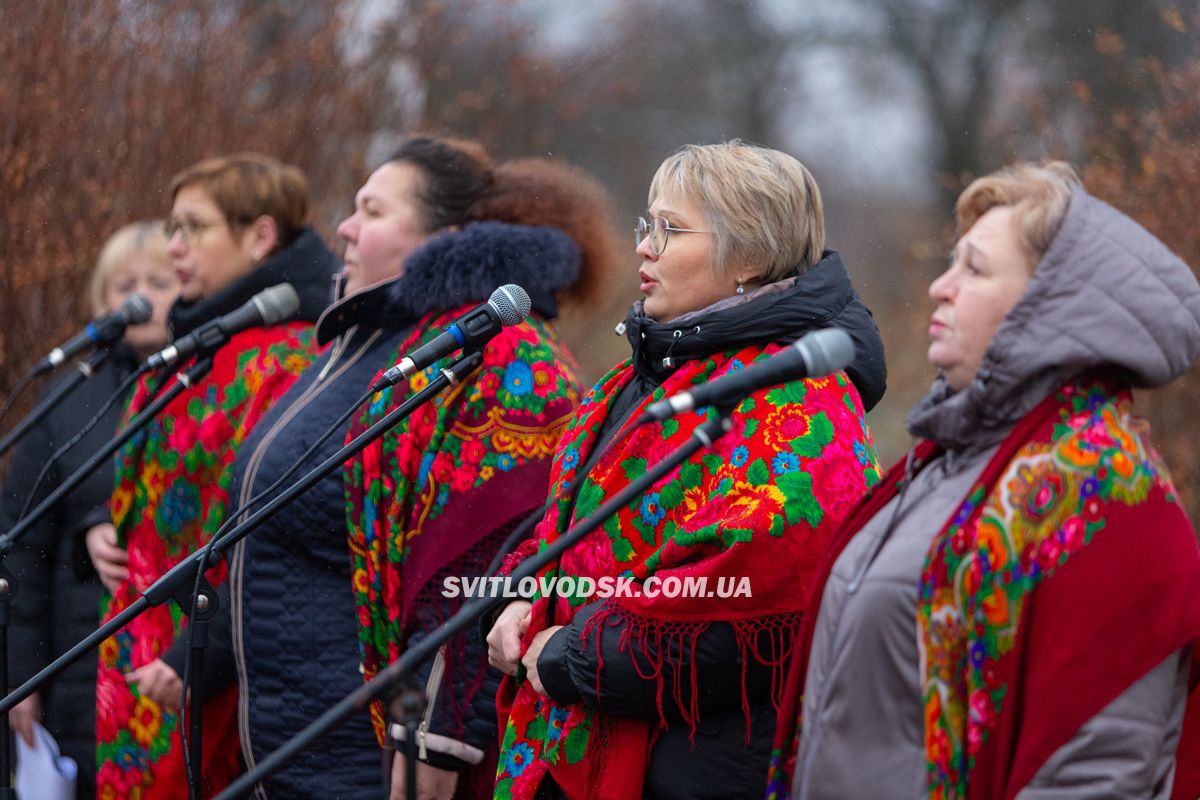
x: 172, y: 492
x: 443, y: 483
x: 761, y: 504
x: 1048, y: 555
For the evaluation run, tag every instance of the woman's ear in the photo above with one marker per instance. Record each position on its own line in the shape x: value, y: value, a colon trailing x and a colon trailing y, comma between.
x: 264, y: 236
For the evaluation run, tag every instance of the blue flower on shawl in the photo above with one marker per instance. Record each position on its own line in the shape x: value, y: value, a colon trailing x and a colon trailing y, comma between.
x: 518, y: 378
x: 651, y: 511
x: 785, y: 462
x: 739, y: 456
x: 519, y: 757
x: 558, y: 717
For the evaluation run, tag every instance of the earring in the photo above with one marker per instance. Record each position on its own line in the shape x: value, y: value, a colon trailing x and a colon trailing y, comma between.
x: 740, y: 288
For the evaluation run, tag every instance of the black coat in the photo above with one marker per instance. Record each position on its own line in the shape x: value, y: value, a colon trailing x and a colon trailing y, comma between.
x: 58, y: 594
x: 720, y: 764
x: 292, y: 634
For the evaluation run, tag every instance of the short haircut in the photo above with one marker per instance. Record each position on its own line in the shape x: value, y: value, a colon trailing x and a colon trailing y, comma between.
x: 1039, y: 195
x: 246, y: 186
x: 762, y: 206
x: 129, y: 242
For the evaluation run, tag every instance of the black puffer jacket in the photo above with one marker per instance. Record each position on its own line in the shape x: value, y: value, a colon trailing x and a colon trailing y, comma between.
x: 294, y: 622
x: 58, y: 595
x: 720, y: 764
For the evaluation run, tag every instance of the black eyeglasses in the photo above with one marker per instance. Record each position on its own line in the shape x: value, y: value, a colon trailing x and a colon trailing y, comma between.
x: 657, y: 231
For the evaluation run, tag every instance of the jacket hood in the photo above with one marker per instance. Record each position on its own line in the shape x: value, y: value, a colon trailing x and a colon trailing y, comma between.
x: 306, y: 263
x: 466, y: 266
x: 779, y: 313
x: 1107, y: 295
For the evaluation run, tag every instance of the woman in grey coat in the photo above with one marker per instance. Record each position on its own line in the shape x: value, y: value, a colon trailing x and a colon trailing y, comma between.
x: 1011, y: 612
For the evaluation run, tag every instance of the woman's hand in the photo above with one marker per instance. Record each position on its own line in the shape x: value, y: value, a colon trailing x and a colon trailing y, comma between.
x: 111, y: 562
x: 504, y: 640
x: 159, y: 682
x: 531, y: 656
x: 24, y: 714
x: 432, y: 783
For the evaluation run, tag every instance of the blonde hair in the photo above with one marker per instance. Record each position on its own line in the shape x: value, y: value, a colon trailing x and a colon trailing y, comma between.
x: 246, y: 186
x: 1038, y: 194
x: 137, y: 238
x: 762, y: 206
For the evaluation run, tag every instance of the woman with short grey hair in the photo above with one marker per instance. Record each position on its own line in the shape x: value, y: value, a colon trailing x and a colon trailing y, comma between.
x: 672, y: 695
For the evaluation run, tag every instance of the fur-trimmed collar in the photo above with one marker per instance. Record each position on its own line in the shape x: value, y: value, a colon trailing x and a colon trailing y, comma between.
x: 454, y: 269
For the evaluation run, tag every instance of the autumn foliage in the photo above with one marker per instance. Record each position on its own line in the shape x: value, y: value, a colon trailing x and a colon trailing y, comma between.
x: 1145, y: 161
x: 105, y: 100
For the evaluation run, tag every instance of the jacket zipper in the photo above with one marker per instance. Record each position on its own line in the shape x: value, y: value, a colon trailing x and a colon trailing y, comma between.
x: 237, y: 563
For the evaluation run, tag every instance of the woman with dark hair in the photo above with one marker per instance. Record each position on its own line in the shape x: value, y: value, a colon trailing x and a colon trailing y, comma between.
x: 344, y: 580
x: 237, y: 226
x: 58, y: 591
x: 1010, y: 613
x: 665, y: 695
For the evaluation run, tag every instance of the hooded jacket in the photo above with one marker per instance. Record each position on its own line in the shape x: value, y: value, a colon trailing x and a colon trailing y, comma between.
x: 1105, y: 296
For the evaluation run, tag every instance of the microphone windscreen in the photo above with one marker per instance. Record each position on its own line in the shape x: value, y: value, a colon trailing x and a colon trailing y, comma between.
x: 136, y: 309
x: 511, y: 302
x: 826, y: 351
x: 278, y: 303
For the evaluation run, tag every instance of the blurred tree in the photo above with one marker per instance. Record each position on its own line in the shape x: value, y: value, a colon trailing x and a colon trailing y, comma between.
x: 989, y: 72
x: 612, y: 89
x: 1144, y: 160
x: 105, y: 99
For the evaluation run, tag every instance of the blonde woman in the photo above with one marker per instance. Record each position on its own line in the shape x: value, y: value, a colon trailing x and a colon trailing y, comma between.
x: 59, y: 591
x: 673, y: 696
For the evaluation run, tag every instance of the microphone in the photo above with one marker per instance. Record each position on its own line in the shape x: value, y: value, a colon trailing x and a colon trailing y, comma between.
x: 815, y: 354
x: 99, y: 332
x: 507, y: 306
x: 268, y: 307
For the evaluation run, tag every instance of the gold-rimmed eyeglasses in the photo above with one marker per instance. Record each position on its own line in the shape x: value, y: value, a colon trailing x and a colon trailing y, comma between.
x: 657, y: 231
x: 190, y: 230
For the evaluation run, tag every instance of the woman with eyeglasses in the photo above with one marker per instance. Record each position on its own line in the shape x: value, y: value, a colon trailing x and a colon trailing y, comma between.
x: 343, y: 581
x: 58, y: 593
x: 674, y: 696
x: 1010, y: 614
x: 237, y: 226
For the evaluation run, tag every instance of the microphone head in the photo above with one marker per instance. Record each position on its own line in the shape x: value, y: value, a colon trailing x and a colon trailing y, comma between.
x: 136, y: 309
x: 825, y: 351
x: 511, y: 303
x: 277, y: 304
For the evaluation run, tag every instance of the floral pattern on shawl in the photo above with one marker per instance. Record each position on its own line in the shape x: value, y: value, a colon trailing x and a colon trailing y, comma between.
x: 1048, y: 504
x: 761, y: 503
x: 172, y: 493
x: 455, y: 471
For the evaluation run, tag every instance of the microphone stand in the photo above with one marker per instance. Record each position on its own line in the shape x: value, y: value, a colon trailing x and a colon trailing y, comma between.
x: 177, y: 583
x: 390, y: 679
x: 206, y: 600
x: 8, y: 585
x: 83, y: 371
